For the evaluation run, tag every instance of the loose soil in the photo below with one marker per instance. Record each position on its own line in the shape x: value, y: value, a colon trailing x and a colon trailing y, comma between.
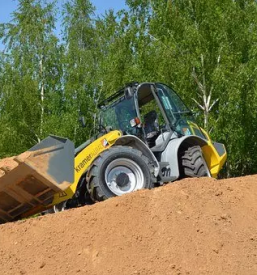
x: 194, y: 226
x: 8, y: 162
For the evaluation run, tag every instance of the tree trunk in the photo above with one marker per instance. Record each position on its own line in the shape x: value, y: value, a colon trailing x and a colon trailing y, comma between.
x: 42, y: 97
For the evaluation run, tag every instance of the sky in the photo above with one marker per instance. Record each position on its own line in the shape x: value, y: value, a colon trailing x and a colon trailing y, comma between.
x: 9, y: 6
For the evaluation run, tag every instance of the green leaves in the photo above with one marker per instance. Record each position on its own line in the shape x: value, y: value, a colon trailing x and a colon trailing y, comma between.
x: 30, y: 72
x: 206, y: 50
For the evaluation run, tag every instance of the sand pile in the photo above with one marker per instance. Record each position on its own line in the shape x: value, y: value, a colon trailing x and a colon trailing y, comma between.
x: 194, y: 226
x: 7, y: 164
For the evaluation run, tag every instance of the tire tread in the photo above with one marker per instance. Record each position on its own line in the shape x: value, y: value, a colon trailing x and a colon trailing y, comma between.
x: 192, y: 163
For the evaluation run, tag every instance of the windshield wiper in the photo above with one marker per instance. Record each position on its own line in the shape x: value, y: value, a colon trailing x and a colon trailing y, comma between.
x: 183, y: 112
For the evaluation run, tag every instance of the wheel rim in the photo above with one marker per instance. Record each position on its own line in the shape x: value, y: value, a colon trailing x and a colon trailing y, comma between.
x: 124, y: 168
x: 59, y: 207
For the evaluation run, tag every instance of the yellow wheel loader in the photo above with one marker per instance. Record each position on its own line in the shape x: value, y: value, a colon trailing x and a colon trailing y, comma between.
x: 147, y: 137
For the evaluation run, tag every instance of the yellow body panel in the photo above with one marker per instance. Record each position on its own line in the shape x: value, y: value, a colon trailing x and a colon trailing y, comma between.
x: 212, y: 158
x: 84, y: 159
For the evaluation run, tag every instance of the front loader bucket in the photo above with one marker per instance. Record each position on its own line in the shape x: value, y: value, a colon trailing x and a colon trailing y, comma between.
x: 31, y: 179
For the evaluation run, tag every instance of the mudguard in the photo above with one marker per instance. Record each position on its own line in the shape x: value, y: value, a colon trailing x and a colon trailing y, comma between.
x: 214, y: 154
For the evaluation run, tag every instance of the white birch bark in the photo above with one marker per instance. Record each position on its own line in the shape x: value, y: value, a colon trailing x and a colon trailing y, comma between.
x: 42, y: 96
x: 205, y: 95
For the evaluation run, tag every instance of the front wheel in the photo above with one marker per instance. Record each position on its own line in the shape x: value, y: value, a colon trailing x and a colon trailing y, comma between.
x: 117, y: 171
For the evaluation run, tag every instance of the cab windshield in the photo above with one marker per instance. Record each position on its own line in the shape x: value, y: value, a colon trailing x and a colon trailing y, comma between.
x: 179, y: 116
x: 119, y: 114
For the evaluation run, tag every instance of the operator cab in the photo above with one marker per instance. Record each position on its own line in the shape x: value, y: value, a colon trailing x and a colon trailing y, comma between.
x: 150, y: 111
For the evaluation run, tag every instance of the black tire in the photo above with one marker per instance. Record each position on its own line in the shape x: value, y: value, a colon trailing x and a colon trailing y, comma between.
x: 56, y: 208
x: 96, y: 177
x: 192, y: 163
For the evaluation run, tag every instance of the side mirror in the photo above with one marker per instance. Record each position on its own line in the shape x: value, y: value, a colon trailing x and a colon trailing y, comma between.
x: 128, y: 92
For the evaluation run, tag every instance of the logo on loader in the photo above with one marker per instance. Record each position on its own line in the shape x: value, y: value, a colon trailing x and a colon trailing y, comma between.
x: 62, y: 194
x: 166, y: 172
x: 83, y: 163
x: 105, y: 143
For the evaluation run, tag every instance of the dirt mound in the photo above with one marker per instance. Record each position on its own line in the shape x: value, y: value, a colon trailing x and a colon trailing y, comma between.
x: 7, y: 163
x: 10, y: 163
x: 195, y: 226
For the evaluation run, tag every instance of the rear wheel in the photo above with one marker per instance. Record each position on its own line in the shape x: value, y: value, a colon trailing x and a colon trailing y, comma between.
x: 192, y: 163
x: 117, y: 171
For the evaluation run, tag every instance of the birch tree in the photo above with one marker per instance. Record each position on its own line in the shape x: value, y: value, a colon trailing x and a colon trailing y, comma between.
x: 34, y: 71
x: 79, y: 67
x: 205, y: 95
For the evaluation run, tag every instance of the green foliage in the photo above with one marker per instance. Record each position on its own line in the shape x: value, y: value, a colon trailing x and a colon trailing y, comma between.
x: 195, y: 46
x: 31, y: 75
x: 79, y: 66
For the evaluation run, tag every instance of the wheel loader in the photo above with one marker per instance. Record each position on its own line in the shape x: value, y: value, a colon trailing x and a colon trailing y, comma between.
x: 147, y: 137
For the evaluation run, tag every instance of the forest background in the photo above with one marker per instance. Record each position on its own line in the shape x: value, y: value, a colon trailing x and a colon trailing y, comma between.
x: 205, y: 49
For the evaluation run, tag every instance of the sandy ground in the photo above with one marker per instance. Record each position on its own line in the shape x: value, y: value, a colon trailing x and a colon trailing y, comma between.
x: 194, y: 226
